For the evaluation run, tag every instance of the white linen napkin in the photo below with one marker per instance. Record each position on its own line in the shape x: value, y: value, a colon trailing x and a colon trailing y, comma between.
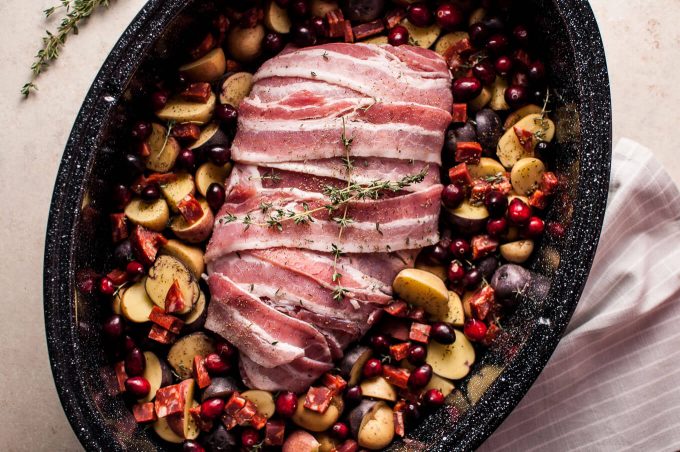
x: 613, y: 383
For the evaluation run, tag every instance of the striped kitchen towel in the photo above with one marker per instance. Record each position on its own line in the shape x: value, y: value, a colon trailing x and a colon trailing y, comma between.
x: 613, y: 383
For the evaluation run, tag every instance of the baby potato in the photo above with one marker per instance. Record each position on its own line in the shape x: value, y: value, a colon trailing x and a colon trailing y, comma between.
x: 301, y: 441
x: 438, y: 270
x: 183, y: 423
x: 161, y: 277
x: 190, y: 256
x: 526, y: 175
x: 517, y: 252
x: 180, y: 110
x: 327, y: 443
x: 467, y: 217
x: 263, y: 400
x: 498, y: 95
x: 317, y: 422
x: 378, y: 388
x: 198, y: 231
x: 209, y: 173
x: 164, y: 431
x: 319, y: 8
x: 487, y: 167
x: 510, y: 150
x: 376, y: 40
x: 152, y: 215
x: 181, y: 354
x: 443, y: 385
x: 176, y: 190
x: 245, y: 44
x: 208, y: 68
x: 451, y: 361
x: 514, y: 117
x: 135, y: 304
x: 447, y: 40
x: 455, y: 314
x: 164, y: 149
x: 422, y: 288
x: 421, y: 36
x: 481, y: 100
x: 377, y: 428
x: 276, y: 18
x: 157, y: 373
x: 235, y: 88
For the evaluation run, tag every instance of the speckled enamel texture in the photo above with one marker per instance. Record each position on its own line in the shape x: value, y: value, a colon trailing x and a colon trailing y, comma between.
x: 78, y: 234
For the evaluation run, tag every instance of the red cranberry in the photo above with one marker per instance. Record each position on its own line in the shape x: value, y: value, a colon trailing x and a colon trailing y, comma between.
x: 443, y: 333
x: 519, y: 212
x: 303, y: 36
x: 121, y: 196
x: 318, y: 26
x: 141, y: 130
x: 416, y: 354
x: 474, y: 329
x: 151, y: 192
x: 298, y: 9
x: 219, y: 155
x: 135, y: 269
x: 186, y: 159
x: 503, y: 65
x: 460, y: 248
x: 433, y: 398
x: 497, y: 44
x: 466, y: 88
x: 536, y: 71
x: 411, y: 411
x: 420, y: 376
x: 340, y: 430
x: 419, y: 14
x: 106, y: 286
x: 353, y: 394
x: 286, y: 404
x: 135, y: 362
x: 215, y: 196
x: 372, y: 368
x: 479, y: 33
x: 448, y: 16
x: 215, y: 364
x: 556, y: 229
x: 225, y: 350
x: 485, y: 71
x: 456, y: 272
x: 227, y: 114
x: 440, y: 253
x: 472, y: 278
x: 192, y: 446
x: 534, y: 228
x: 283, y: 3
x: 496, y: 203
x: 521, y: 34
x: 398, y: 36
x: 273, y: 43
x: 250, y: 437
x: 133, y: 165
x: 159, y: 99
x: 516, y: 95
x: 212, y: 408
x: 496, y: 227
x: 113, y: 327
x: 452, y: 196
x: 380, y: 343
x: 137, y: 386
x: 129, y: 345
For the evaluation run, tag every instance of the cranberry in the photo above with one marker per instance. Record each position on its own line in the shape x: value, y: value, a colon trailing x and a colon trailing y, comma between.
x: 134, y: 165
x: 212, y: 408
x: 433, y: 398
x: 556, y: 229
x: 543, y: 148
x: 519, y: 212
x: 151, y: 192
x: 318, y: 26
x: 180, y: 80
x: 474, y: 329
x: 448, y: 16
x: 534, y: 228
x: 353, y: 394
x: 419, y: 14
x: 225, y: 350
x: 219, y: 155
x: 452, y: 196
x: 286, y: 404
x: 227, y: 114
x: 420, y: 376
x: 456, y: 272
x: 398, y: 36
x: 521, y: 34
x: 536, y: 71
x: 372, y: 368
x: 340, y: 430
x: 86, y: 280
x: 298, y: 9
x: 129, y: 345
x: 443, y: 333
x: 215, y: 196
x: 466, y: 88
x: 159, y: 99
x: 283, y: 3
x: 186, y: 159
x: 141, y: 130
x: 215, y: 364
x: 303, y: 36
x: 472, y: 278
x: 516, y: 95
x: 192, y: 446
x: 250, y: 437
x: 496, y: 203
x: 497, y: 44
x: 503, y: 65
x: 137, y: 386
x: 106, y: 286
x: 135, y: 269
x: 440, y: 253
x: 479, y: 33
x: 485, y: 71
x: 135, y: 362
x: 273, y: 43
x: 411, y: 411
x: 460, y: 248
x: 121, y: 196
x: 416, y: 354
x: 380, y: 343
x: 496, y: 227
x: 113, y: 327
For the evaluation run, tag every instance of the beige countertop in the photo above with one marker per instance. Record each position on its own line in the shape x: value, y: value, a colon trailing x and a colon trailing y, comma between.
x: 641, y: 39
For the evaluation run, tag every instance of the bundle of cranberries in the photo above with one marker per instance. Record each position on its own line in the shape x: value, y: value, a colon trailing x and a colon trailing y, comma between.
x: 182, y: 379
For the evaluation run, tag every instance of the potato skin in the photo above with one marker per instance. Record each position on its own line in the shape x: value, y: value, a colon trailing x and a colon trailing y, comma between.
x: 317, y: 422
x: 208, y: 68
x: 181, y: 354
x: 517, y: 252
x: 152, y: 215
x: 423, y: 289
x: 301, y: 441
x: 197, y: 232
x: 377, y: 429
x: 245, y: 44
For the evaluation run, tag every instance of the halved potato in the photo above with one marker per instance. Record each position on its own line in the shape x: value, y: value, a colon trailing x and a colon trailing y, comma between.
x: 353, y: 363
x: 152, y: 215
x: 480, y: 381
x: 319, y: 8
x: 181, y: 354
x: 514, y: 117
x: 467, y: 309
x: 301, y: 441
x: 180, y: 110
x: 276, y: 18
x: 421, y: 36
x: 164, y: 431
x: 526, y: 175
x: 454, y: 313
x: 451, y: 361
x: 327, y: 442
x: 517, y: 252
x: 376, y: 40
x: 211, y: 135
x: 317, y: 422
x: 476, y: 16
x: 176, y: 190
x: 164, y: 149
x: 209, y: 173
x: 245, y: 44
x: 487, y: 167
x: 481, y: 100
x: 498, y: 95
x: 221, y: 388
x: 135, y: 304
x: 377, y: 427
x: 444, y: 386
x: 447, y: 40
x: 184, y: 424
x: 157, y: 373
x: 378, y: 388
x: 194, y: 320
x: 190, y: 256
x: 263, y: 400
x: 198, y: 231
x: 422, y: 288
x: 467, y: 217
x: 115, y: 304
x: 236, y: 87
x: 510, y: 150
x: 208, y: 68
x: 161, y: 276
x: 438, y: 270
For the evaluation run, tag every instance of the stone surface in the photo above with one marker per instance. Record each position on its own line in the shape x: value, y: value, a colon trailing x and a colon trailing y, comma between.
x: 641, y: 41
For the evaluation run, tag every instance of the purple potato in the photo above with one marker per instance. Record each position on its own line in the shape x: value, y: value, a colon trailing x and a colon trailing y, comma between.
x: 357, y: 415
x: 220, y: 440
x: 354, y: 361
x: 220, y: 387
x: 489, y: 129
x: 462, y: 134
x: 512, y: 283
x: 363, y: 10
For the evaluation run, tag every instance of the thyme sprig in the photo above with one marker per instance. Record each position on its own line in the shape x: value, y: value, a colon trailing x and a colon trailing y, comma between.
x: 52, y: 43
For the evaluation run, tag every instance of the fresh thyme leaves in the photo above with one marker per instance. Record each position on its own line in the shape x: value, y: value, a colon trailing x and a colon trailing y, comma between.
x: 325, y: 55
x: 272, y: 176
x: 171, y: 124
x: 313, y: 74
x: 265, y: 206
x: 52, y: 43
x: 337, y: 252
x: 339, y: 293
x: 494, y: 179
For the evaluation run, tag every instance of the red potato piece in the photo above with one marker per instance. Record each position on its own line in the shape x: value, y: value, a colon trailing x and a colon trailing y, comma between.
x: 301, y: 441
x: 169, y: 322
x: 144, y: 412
